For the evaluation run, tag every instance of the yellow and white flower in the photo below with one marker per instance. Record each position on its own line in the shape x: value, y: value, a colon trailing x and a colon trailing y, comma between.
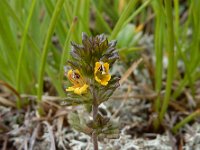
x: 79, y: 85
x: 101, y: 73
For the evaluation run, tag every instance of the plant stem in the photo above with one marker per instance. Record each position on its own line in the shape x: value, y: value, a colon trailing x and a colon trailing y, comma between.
x: 95, y: 140
x: 94, y: 113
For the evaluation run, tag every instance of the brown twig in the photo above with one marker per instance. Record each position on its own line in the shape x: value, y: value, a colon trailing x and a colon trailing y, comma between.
x: 5, y: 143
x: 7, y: 102
x: 53, y: 145
x: 150, y: 97
x: 137, y: 96
x: 33, y: 137
x: 129, y: 71
x: 11, y: 88
x: 122, y: 104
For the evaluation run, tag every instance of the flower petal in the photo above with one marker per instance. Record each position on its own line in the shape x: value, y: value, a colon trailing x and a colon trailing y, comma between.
x: 97, y: 65
x: 107, y: 77
x: 97, y: 79
x: 106, y: 65
x: 69, y: 73
x: 81, y: 90
x: 70, y: 88
x: 104, y: 83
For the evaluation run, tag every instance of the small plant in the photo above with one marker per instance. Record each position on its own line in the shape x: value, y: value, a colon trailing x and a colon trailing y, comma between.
x: 92, y: 84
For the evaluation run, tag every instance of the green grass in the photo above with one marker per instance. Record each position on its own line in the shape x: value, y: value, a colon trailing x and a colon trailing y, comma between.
x: 159, y: 45
x: 28, y: 55
x: 22, y: 46
x: 52, y: 24
x: 170, y: 52
x: 189, y: 118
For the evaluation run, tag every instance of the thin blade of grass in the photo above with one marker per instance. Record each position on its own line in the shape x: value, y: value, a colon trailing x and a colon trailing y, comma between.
x: 22, y: 45
x: 53, y: 21
x: 135, y: 13
x: 170, y: 49
x: 159, y: 33
x: 186, y: 120
x: 125, y: 14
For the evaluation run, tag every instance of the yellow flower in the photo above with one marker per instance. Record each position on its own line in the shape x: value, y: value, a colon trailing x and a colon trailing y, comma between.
x: 139, y: 28
x: 101, y: 73
x: 80, y: 87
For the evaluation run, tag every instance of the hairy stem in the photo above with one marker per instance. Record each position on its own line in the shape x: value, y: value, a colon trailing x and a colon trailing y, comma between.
x: 95, y: 140
x: 94, y: 113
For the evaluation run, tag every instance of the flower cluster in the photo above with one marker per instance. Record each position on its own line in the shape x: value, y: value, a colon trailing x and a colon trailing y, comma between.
x: 92, y: 83
x: 89, y: 73
x: 101, y: 75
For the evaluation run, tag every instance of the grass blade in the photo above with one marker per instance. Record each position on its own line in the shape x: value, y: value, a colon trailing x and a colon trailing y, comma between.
x: 123, y: 18
x: 22, y: 45
x: 53, y: 21
x: 170, y: 48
